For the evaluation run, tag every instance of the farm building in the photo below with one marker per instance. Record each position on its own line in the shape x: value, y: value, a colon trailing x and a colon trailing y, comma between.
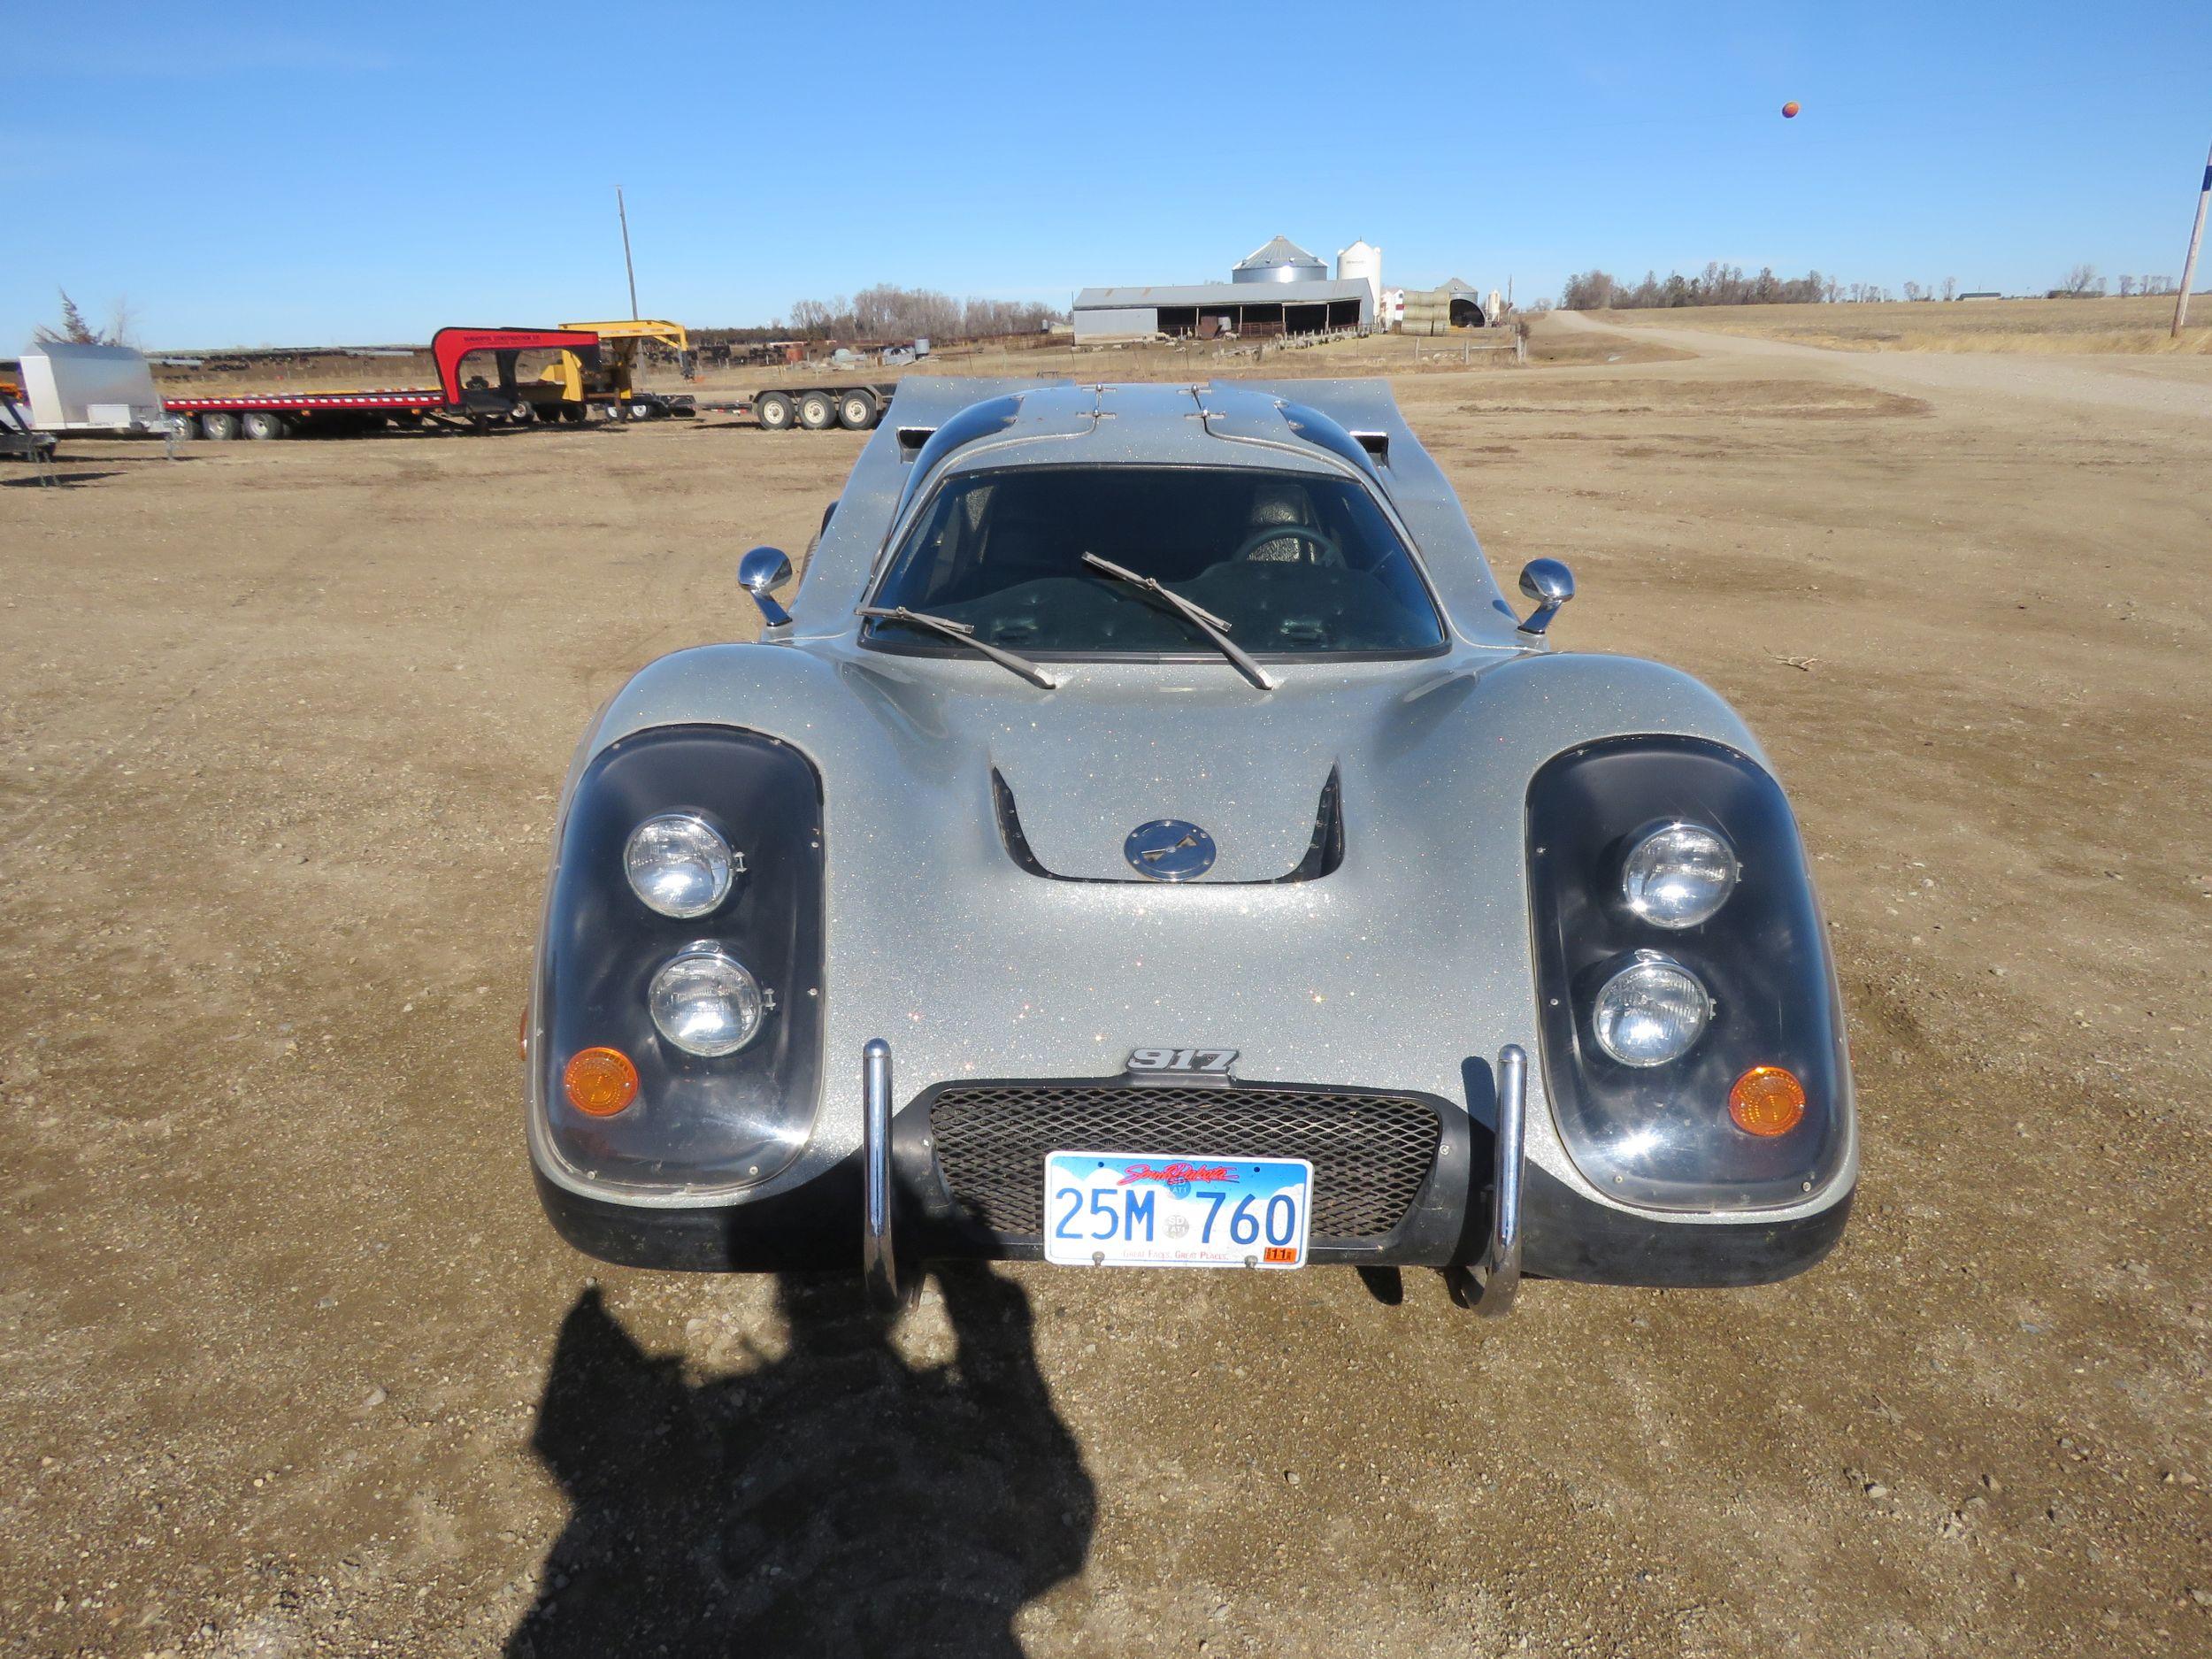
x: 1457, y: 304
x: 1278, y: 289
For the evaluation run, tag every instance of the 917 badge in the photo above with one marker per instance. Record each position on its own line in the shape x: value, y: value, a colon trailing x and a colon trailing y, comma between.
x: 1214, y: 1063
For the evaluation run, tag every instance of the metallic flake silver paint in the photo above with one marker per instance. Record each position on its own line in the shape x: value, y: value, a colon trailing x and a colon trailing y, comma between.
x: 1412, y: 956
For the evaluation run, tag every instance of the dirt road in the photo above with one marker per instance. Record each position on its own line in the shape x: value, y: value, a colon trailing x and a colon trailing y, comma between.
x: 292, y: 1363
x: 2146, y: 384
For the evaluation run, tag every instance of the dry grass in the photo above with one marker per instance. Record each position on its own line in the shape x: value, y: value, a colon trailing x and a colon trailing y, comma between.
x: 1392, y: 355
x: 2135, y: 324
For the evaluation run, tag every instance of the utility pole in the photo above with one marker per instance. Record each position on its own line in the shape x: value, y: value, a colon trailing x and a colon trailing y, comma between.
x: 2189, y: 265
x: 623, y: 213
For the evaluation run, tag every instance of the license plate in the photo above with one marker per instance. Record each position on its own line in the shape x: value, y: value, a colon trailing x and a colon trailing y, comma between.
x: 1148, y: 1210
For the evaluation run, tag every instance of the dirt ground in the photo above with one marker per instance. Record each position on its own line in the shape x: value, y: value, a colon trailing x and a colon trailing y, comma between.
x: 289, y: 1361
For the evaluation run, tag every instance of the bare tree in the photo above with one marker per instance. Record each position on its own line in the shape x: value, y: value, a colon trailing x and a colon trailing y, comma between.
x: 1950, y: 288
x: 887, y: 312
x: 815, y: 318
x: 74, y: 331
x: 2081, y: 281
x: 1717, y: 284
x: 2127, y: 285
x: 1914, y: 291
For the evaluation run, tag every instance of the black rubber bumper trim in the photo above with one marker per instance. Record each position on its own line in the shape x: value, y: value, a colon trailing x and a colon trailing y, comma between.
x: 1569, y: 1237
x: 817, y: 1227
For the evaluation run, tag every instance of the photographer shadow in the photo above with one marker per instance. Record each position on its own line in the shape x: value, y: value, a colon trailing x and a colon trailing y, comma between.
x: 834, y: 1500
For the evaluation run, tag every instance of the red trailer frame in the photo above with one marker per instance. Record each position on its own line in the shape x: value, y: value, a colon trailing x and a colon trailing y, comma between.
x: 357, y: 409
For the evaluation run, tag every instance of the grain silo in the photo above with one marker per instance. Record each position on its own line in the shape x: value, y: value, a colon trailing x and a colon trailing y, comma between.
x: 1281, y: 260
x: 1361, y: 262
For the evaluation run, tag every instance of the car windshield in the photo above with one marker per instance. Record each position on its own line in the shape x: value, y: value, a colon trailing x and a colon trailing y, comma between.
x: 1292, y: 563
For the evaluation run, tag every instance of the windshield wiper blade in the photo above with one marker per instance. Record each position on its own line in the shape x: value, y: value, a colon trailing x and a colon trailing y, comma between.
x: 964, y: 634
x: 1212, y: 626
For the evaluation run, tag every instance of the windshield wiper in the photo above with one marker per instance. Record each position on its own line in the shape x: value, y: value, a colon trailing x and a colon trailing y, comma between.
x: 1212, y: 626
x: 962, y: 632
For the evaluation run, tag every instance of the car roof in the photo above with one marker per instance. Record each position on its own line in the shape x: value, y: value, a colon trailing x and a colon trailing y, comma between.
x: 1125, y: 426
x: 940, y: 425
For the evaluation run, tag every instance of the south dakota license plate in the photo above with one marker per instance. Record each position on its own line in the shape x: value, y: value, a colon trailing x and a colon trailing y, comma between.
x: 1149, y: 1210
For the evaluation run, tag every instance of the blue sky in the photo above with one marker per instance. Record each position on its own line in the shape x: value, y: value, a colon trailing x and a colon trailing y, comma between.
x: 251, y: 174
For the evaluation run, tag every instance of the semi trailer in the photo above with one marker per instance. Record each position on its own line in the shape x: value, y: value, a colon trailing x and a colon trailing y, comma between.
x: 509, y: 401
x: 855, y: 405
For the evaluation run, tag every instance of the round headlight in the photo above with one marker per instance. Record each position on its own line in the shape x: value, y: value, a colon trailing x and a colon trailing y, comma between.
x: 1651, y: 1011
x: 1679, y: 874
x: 706, y: 1002
x: 679, y: 864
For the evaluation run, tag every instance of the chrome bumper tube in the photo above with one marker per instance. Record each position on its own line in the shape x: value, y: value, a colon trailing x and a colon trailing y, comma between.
x: 878, y: 1261
x: 1499, y: 1275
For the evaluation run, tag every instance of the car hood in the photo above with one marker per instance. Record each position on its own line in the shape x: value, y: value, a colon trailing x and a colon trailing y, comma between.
x: 1258, y: 776
x: 1405, y: 958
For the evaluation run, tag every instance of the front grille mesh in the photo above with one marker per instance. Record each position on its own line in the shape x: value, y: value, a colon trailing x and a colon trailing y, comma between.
x: 1369, y: 1152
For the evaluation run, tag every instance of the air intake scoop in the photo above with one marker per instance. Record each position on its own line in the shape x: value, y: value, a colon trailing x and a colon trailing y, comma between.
x: 1175, y: 850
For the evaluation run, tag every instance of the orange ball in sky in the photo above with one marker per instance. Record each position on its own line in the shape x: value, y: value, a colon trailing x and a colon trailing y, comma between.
x: 1789, y: 111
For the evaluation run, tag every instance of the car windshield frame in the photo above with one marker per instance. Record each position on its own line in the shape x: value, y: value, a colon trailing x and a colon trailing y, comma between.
x: 913, y: 522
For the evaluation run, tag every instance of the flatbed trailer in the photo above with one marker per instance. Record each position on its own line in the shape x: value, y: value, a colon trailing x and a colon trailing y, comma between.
x: 855, y: 405
x: 283, y: 414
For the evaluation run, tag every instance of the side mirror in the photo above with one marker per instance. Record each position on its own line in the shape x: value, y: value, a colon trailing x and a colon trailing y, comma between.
x: 1550, y: 584
x: 764, y: 569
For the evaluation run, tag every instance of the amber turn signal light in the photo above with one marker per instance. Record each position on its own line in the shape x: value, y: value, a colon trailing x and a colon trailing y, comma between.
x: 600, y: 1082
x: 1767, y: 1101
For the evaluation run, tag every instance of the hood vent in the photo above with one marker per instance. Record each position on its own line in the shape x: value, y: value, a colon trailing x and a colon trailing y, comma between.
x: 1324, y: 852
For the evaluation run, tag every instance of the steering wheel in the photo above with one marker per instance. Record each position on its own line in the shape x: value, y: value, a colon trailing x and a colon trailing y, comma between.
x: 1323, y: 550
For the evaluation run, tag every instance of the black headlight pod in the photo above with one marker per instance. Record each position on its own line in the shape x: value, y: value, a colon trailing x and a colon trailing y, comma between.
x: 684, y: 936
x: 1693, y: 1039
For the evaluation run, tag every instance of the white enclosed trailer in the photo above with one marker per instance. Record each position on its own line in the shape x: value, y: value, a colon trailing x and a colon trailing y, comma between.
x: 92, y: 389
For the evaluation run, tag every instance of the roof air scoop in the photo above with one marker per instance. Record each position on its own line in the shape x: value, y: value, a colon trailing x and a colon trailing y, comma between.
x: 1362, y: 450
x: 931, y: 445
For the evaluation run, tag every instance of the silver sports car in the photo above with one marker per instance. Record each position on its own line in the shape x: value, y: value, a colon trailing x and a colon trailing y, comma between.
x: 1150, y: 838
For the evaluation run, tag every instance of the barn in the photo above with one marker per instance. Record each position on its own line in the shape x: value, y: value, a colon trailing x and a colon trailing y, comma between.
x: 1279, y: 289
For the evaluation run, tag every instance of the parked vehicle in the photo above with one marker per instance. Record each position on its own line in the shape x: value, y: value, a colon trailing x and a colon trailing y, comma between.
x: 283, y: 414
x: 573, y: 386
x: 1150, y: 838
x: 93, y: 391
x: 19, y: 439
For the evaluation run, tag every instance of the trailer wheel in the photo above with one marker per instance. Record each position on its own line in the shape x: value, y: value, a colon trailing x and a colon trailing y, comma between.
x: 772, y: 410
x: 263, y: 423
x: 857, y: 410
x: 219, y: 423
x: 187, y: 424
x: 818, y: 410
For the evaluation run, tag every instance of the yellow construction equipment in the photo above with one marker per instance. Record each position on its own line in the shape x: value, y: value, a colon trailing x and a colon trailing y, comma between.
x: 613, y: 382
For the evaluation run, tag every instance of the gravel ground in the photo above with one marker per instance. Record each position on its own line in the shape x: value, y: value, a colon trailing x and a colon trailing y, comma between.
x: 291, y: 1363
x: 2148, y: 385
